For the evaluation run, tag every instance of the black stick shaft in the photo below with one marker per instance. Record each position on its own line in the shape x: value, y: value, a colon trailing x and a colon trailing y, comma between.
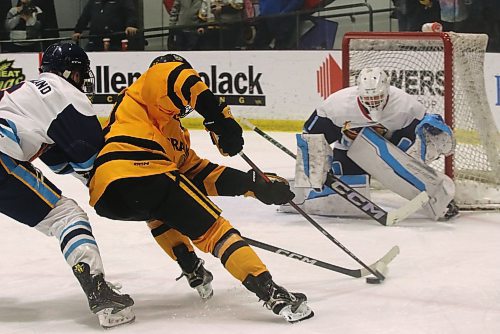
x: 313, y: 222
x: 274, y: 142
x: 303, y: 258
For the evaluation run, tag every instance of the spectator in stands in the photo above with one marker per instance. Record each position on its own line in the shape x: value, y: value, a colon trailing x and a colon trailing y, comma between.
x: 281, y: 30
x: 476, y: 18
x: 4, y: 34
x: 206, y: 37
x: 115, y: 20
x: 24, y: 22
x: 412, y: 14
x: 454, y: 14
x: 185, y: 13
x: 228, y: 15
x: 491, y: 12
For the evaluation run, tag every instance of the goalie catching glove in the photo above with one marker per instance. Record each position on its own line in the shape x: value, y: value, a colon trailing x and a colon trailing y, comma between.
x: 226, y: 133
x: 275, y: 191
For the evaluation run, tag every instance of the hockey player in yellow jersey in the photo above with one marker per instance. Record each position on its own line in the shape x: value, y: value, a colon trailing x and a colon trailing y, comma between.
x: 147, y: 171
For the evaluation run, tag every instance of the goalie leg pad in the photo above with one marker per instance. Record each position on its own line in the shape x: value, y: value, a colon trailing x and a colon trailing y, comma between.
x: 300, y: 197
x: 327, y: 202
x: 401, y: 173
x: 314, y: 160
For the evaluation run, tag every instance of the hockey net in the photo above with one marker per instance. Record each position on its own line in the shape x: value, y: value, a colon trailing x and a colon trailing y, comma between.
x: 445, y: 73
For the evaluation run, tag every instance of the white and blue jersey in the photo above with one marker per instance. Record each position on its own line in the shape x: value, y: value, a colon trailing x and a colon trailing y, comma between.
x: 47, y: 118
x: 400, y: 116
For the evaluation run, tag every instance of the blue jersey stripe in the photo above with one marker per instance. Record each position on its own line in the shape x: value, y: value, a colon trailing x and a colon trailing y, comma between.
x: 77, y: 244
x: 10, y: 131
x: 78, y: 223
x: 84, y: 166
x: 29, y: 179
x: 60, y: 167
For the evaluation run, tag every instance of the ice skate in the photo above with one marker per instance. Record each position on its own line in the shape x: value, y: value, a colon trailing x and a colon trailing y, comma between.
x: 291, y: 306
x: 452, y: 211
x: 197, y: 276
x: 111, y: 307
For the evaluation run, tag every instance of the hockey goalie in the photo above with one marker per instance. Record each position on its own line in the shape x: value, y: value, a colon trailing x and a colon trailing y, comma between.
x: 377, y: 131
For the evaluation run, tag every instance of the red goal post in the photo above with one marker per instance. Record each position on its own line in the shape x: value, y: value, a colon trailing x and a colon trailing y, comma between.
x: 445, y: 72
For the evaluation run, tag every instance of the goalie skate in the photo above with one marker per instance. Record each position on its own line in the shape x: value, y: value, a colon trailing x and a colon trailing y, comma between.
x: 452, y: 211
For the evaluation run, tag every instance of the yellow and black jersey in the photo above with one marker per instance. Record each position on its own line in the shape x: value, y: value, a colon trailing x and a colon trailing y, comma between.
x: 143, y: 135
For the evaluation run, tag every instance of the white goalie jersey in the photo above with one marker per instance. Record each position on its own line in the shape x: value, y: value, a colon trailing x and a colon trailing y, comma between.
x: 49, y: 115
x: 344, y: 106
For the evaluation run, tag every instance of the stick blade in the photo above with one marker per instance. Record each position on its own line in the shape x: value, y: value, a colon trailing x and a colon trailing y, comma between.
x: 383, y: 262
x: 406, y: 210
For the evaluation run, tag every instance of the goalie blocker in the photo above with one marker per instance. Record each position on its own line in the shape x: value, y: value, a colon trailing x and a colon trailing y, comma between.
x: 402, y: 173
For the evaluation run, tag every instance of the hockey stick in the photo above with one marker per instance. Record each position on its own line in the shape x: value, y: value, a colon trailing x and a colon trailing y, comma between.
x: 376, y: 273
x: 357, y: 199
x: 357, y: 273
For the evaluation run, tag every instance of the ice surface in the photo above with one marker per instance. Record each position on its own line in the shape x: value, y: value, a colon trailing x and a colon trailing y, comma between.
x: 446, y: 279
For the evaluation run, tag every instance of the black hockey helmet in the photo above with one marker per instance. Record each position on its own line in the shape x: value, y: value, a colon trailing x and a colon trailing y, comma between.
x: 169, y: 57
x: 64, y: 58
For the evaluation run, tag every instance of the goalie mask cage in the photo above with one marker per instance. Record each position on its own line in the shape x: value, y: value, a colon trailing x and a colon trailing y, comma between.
x: 444, y: 71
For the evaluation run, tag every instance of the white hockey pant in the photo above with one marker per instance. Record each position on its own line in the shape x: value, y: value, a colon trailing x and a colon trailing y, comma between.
x: 70, y: 225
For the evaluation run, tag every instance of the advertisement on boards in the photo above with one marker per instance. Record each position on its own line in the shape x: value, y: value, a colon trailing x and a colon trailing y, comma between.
x: 15, y: 68
x: 270, y: 85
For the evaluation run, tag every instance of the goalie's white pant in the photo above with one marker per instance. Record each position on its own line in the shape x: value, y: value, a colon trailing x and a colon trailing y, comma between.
x: 400, y: 172
x: 70, y: 225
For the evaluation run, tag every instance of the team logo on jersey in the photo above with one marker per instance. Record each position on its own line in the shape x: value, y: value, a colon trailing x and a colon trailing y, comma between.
x: 10, y: 75
x: 329, y: 77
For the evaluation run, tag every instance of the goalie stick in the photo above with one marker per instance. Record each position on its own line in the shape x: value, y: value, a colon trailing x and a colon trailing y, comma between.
x: 364, y: 204
x: 375, y: 272
x: 357, y: 273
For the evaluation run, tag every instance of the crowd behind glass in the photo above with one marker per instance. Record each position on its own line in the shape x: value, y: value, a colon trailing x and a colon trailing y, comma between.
x: 229, y: 24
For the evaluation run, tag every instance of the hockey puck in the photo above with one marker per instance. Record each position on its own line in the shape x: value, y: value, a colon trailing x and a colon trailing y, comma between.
x: 373, y: 280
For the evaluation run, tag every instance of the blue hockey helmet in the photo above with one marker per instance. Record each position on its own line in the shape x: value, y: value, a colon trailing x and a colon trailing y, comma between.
x: 63, y: 59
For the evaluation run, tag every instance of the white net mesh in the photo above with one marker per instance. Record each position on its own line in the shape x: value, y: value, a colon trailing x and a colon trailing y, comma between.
x: 415, y: 62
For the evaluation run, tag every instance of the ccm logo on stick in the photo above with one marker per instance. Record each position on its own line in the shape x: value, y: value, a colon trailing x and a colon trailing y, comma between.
x: 368, y: 207
x: 295, y: 256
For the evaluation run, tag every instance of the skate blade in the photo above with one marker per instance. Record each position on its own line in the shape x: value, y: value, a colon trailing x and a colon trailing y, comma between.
x: 205, y: 291
x: 302, y: 312
x: 108, y: 319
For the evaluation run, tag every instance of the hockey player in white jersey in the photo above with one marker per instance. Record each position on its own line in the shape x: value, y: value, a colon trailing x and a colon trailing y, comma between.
x: 52, y: 118
x: 399, y: 119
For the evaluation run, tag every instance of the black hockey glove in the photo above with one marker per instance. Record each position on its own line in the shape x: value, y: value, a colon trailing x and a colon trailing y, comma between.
x: 227, y: 134
x: 277, y: 191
